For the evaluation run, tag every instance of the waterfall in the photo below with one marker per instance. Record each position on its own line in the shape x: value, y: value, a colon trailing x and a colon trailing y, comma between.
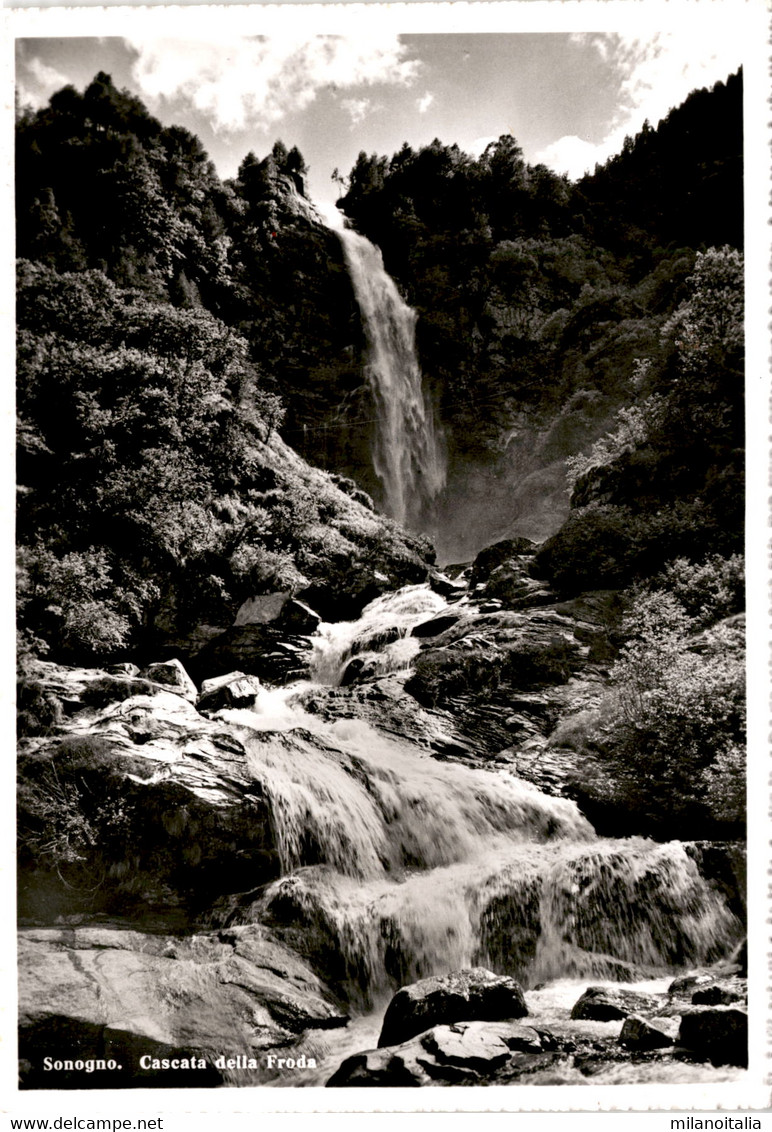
x: 396, y: 865
x: 408, y: 453
x: 380, y: 634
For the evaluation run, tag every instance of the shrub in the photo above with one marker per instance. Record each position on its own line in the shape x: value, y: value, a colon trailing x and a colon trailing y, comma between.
x: 634, y: 425
x: 576, y: 731
x: 74, y: 817
x: 707, y: 590
x: 37, y: 711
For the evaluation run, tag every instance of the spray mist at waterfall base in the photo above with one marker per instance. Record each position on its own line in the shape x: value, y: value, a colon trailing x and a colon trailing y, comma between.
x: 396, y: 866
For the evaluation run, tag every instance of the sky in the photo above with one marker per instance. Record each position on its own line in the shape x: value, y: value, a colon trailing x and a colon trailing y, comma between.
x: 568, y: 98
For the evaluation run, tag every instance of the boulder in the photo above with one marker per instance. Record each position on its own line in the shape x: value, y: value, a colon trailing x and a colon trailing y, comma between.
x: 120, y: 994
x: 172, y: 675
x: 150, y: 803
x: 358, y: 668
x: 280, y: 610
x: 274, y: 655
x: 638, y: 1034
x: 686, y: 983
x: 481, y: 1046
x: 435, y: 625
x: 474, y: 994
x: 465, y: 1053
x: 512, y: 585
x: 449, y: 588
x: 235, y: 690
x: 716, y: 995
x: 496, y: 555
x: 604, y: 1004
x: 124, y: 669
x: 297, y: 617
x: 262, y: 609
x: 719, y: 1033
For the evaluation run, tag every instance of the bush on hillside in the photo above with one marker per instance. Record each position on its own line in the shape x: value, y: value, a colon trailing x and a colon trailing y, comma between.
x: 668, y: 741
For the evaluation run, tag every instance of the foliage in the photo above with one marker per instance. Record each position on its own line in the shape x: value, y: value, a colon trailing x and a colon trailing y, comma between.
x: 634, y: 426
x: 681, y: 712
x: 152, y: 475
x: 669, y: 480
x: 681, y: 181
x: 669, y: 738
x: 64, y: 796
x: 708, y: 590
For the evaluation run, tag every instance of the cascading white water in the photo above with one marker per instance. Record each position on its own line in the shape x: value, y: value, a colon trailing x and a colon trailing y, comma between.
x: 406, y: 866
x: 380, y: 633
x: 408, y: 453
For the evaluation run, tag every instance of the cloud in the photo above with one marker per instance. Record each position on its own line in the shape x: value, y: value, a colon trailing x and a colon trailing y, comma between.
x: 255, y: 82
x: 479, y: 145
x: 37, y: 82
x: 653, y: 75
x: 356, y: 108
x: 571, y: 155
x: 424, y: 103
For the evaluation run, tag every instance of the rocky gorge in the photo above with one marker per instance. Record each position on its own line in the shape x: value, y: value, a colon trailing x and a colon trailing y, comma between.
x: 296, y: 806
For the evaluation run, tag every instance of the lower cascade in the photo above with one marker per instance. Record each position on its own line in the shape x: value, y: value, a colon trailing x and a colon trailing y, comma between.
x: 292, y: 860
x: 397, y: 866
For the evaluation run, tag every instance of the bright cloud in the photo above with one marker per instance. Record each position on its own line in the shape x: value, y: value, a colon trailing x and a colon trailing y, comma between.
x: 654, y: 75
x: 424, y: 103
x: 256, y: 82
x: 356, y: 108
x: 571, y: 155
x: 479, y: 145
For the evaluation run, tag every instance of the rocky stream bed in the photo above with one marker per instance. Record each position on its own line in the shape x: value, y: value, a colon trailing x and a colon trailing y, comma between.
x: 215, y: 878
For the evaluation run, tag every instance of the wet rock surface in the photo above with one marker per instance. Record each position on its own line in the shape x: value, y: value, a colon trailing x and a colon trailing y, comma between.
x: 638, y: 1034
x: 121, y: 994
x: 464, y: 1053
x: 471, y: 995
x: 172, y: 674
x: 142, y: 800
x: 565, y: 1050
x: 276, y: 656
x: 179, y: 825
x: 234, y: 690
x: 718, y: 1033
x: 602, y: 1004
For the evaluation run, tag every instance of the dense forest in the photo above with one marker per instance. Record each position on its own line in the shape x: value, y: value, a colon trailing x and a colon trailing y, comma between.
x: 195, y: 439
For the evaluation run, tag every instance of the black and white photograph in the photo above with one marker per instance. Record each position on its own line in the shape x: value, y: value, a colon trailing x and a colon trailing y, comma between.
x: 385, y: 378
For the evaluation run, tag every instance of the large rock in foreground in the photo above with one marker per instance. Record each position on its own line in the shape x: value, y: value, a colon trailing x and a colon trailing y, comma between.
x: 718, y: 1033
x: 139, y: 801
x: 638, y: 1034
x: 121, y: 995
x: 475, y: 994
x: 604, y: 1004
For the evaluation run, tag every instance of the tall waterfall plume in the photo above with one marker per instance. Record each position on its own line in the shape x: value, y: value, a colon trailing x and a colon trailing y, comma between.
x: 408, y: 451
